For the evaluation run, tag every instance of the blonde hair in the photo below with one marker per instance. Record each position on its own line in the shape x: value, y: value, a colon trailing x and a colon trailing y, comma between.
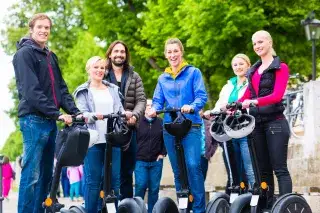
x: 266, y: 35
x: 242, y: 56
x: 173, y: 41
x: 91, y: 61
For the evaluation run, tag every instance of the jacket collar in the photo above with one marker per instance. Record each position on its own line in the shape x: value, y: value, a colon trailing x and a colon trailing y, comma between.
x: 85, y: 86
x: 274, y: 65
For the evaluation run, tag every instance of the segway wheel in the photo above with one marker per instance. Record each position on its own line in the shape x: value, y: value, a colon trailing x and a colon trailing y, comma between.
x: 141, y: 204
x: 212, y: 203
x: 241, y: 204
x: 128, y: 205
x: 165, y: 205
x: 292, y: 203
x: 220, y: 205
x: 76, y: 209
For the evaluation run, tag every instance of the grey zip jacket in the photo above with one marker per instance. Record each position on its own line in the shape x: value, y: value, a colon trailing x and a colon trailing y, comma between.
x: 85, y: 102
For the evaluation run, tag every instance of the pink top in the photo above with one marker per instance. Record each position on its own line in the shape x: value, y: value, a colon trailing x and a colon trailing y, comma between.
x: 280, y: 86
x: 74, y: 173
x: 7, y: 172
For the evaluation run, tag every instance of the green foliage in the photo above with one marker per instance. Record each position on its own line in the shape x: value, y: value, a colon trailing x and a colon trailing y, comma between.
x: 13, y: 145
x: 212, y: 32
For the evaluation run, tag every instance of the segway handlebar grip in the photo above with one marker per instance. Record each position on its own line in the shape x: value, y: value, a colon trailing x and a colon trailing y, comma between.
x: 172, y: 110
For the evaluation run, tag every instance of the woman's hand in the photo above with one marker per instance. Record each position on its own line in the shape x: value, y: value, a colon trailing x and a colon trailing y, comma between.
x: 99, y: 116
x: 186, y: 109
x: 206, y: 114
x: 152, y: 112
x: 246, y: 103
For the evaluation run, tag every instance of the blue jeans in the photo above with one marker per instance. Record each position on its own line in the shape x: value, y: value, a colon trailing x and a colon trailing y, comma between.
x: 128, y: 162
x: 93, y: 170
x: 204, y: 167
x: 148, y: 175
x: 192, y: 152
x: 243, y: 159
x: 39, y: 136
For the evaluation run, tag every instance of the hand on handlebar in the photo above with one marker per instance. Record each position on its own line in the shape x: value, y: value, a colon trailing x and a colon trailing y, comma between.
x: 247, y: 103
x: 67, y: 119
x: 99, y: 116
x: 206, y: 114
x: 186, y: 109
x: 128, y: 114
x: 152, y: 113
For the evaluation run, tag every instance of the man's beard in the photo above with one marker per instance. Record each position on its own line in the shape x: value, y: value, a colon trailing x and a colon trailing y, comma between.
x: 118, y: 64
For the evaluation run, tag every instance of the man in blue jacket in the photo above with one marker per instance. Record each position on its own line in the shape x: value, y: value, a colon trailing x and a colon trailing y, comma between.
x: 42, y: 92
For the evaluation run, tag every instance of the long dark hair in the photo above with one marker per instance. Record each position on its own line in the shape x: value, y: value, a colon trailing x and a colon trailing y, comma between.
x: 108, y: 53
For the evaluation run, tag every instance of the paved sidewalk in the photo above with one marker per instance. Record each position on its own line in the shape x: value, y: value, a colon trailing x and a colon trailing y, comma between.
x: 10, y: 206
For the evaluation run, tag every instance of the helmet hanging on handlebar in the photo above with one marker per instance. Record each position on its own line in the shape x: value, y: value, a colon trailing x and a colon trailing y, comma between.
x: 217, y: 130
x: 239, y: 125
x: 179, y: 127
x: 121, y: 135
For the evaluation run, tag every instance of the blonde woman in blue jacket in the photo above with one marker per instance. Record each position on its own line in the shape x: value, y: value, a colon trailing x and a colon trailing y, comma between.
x: 231, y: 92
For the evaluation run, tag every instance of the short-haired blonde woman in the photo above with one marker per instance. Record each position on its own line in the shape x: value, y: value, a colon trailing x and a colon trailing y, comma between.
x: 268, y: 79
x: 182, y: 86
x: 97, y: 97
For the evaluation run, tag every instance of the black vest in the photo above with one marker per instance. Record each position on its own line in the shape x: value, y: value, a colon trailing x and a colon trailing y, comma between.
x: 266, y: 86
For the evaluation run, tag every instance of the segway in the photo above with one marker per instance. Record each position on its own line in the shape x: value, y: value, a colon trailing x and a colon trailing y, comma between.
x: 117, y: 138
x: 179, y: 128
x: 71, y: 149
x: 290, y: 203
x: 221, y: 201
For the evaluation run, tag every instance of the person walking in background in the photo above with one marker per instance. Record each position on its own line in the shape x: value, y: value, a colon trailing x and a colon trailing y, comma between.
x: 42, y: 91
x: 150, y: 154
x: 121, y: 73
x: 75, y: 174
x: 65, y: 183
x: 7, y: 177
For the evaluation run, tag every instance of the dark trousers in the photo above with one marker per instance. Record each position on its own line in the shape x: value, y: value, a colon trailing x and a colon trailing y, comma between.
x: 271, y: 144
x: 204, y: 166
x: 233, y: 165
x: 128, y: 162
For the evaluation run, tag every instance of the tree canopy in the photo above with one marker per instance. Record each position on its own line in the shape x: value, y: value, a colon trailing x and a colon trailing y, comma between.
x: 212, y: 31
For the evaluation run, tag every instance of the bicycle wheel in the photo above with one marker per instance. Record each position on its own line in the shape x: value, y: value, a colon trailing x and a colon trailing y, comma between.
x: 296, y: 123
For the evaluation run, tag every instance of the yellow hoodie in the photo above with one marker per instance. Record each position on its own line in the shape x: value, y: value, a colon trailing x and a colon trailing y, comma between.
x: 174, y: 74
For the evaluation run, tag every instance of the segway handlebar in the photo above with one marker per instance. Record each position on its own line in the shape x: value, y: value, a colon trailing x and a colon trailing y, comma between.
x: 169, y: 110
x: 112, y: 115
x: 237, y: 105
x: 74, y: 119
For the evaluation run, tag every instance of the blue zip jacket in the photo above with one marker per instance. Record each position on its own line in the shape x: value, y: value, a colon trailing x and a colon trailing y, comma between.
x: 186, y: 89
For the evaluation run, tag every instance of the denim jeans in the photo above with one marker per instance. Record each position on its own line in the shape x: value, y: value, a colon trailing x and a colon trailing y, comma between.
x: 192, y: 152
x: 204, y: 167
x: 148, y: 175
x: 243, y: 159
x: 93, y: 170
x: 39, y: 136
x: 128, y: 162
x: 271, y: 144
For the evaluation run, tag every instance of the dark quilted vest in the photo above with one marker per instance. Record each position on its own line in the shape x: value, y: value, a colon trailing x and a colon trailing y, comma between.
x: 266, y: 86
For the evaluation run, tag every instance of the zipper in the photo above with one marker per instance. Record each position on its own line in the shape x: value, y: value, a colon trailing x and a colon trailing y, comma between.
x: 52, y: 80
x: 149, y: 138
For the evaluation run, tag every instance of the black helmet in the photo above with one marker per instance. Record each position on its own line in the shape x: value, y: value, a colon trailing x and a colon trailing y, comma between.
x: 239, y: 125
x: 179, y: 127
x: 217, y: 129
x: 121, y: 135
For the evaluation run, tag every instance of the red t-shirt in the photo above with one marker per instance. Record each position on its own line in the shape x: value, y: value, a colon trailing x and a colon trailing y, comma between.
x: 280, y: 86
